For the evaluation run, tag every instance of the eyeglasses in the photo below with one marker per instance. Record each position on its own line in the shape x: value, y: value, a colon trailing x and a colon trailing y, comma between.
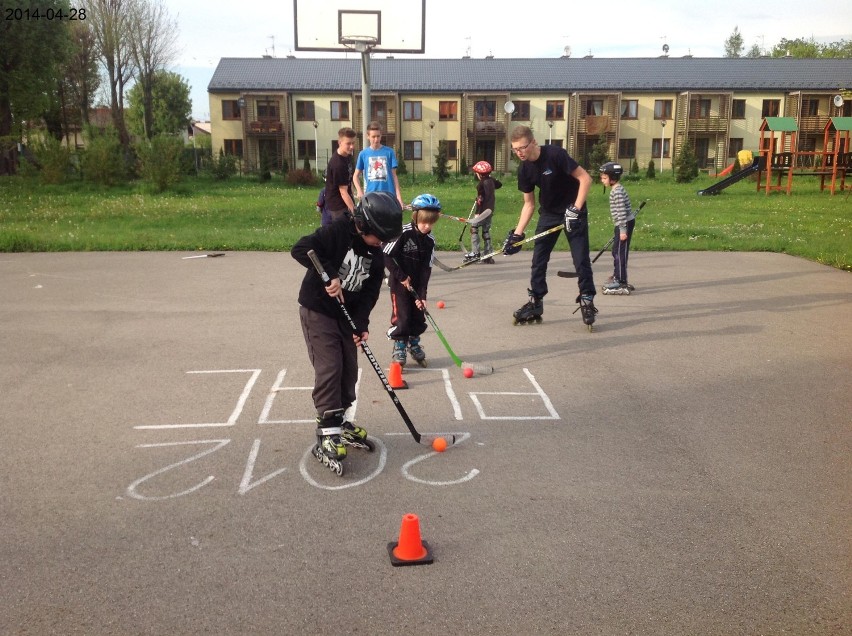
x: 520, y: 149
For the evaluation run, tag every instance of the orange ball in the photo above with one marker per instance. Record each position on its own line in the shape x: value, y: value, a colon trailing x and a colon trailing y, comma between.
x: 440, y: 444
x: 468, y: 372
x: 441, y: 304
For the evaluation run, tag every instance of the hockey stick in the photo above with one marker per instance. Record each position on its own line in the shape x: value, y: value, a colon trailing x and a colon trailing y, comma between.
x: 461, y: 236
x: 480, y: 369
x: 443, y: 266
x: 556, y: 228
x: 566, y: 274
x: 209, y: 255
x: 420, y: 439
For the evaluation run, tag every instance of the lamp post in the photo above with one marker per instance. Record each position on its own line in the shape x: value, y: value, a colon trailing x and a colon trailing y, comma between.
x: 316, y: 149
x: 431, y: 154
x: 550, y: 136
x: 662, y: 144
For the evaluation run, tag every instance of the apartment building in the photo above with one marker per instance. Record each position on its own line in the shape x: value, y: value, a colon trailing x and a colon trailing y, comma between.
x: 645, y: 108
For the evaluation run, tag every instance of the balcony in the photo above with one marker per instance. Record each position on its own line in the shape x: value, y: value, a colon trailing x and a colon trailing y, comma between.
x: 266, y: 127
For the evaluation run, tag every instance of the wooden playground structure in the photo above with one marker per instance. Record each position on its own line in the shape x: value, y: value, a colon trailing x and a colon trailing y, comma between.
x: 783, y: 160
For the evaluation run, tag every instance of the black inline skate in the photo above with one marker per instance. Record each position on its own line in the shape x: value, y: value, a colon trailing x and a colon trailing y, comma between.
x: 531, y: 311
x: 587, y: 310
x: 330, y: 450
x: 356, y: 437
x: 416, y: 351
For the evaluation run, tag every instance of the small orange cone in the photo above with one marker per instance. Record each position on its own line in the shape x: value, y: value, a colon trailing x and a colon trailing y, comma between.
x: 395, y: 376
x: 410, y: 549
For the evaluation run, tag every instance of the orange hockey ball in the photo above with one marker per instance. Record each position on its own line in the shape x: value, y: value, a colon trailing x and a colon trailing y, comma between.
x: 468, y: 372
x: 441, y: 304
x: 440, y: 444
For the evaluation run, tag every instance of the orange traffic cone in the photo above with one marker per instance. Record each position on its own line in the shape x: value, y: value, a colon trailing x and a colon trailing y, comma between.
x: 410, y: 549
x: 395, y: 376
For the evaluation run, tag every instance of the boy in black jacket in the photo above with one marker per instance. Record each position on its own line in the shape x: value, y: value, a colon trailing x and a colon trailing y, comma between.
x: 409, y: 263
x: 350, y: 252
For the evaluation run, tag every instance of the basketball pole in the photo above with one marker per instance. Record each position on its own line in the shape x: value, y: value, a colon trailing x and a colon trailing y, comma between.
x: 364, y: 49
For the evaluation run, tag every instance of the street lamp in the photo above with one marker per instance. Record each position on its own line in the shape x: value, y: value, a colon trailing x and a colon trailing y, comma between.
x: 662, y: 144
x: 550, y: 136
x: 316, y: 149
x: 431, y: 155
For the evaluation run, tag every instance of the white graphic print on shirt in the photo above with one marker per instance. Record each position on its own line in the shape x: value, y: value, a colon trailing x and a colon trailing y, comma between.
x: 354, y: 271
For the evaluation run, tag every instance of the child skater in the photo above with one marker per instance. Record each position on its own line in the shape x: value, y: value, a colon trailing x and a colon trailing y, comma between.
x: 624, y: 219
x: 409, y: 263
x: 484, y: 209
x: 350, y: 252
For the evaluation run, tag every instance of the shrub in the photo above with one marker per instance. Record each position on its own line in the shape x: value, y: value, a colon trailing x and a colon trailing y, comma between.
x: 441, y: 168
x: 651, y: 173
x: 264, y: 173
x: 401, y: 168
x: 224, y: 167
x: 598, y: 155
x: 634, y: 168
x: 55, y: 160
x: 686, y: 165
x: 160, y: 161
x: 301, y: 177
x: 102, y: 162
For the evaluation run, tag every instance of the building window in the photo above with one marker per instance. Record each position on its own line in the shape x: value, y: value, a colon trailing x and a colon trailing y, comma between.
x: 771, y: 108
x: 662, y: 109
x: 412, y: 150
x: 233, y: 147
x: 810, y: 107
x: 594, y: 107
x: 630, y: 109
x: 412, y: 111
x: 699, y: 109
x: 626, y: 148
x: 231, y: 109
x: 522, y: 111
x: 340, y: 111
x: 655, y: 148
x: 448, y: 111
x: 305, y: 111
x: 306, y: 148
x: 555, y: 142
x: 485, y: 110
x: 267, y: 109
x: 738, y: 109
x: 734, y: 146
x: 452, y: 148
x: 555, y: 109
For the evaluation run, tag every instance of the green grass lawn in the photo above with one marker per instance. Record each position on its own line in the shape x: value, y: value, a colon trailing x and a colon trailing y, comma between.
x: 242, y: 214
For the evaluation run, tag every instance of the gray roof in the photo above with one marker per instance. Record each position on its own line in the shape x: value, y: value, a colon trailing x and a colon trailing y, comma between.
x: 533, y: 74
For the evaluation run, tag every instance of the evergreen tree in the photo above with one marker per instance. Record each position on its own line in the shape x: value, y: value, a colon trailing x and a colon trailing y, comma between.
x: 441, y: 169
x: 686, y: 165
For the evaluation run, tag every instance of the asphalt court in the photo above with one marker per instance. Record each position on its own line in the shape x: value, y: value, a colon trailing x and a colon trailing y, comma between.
x: 685, y: 468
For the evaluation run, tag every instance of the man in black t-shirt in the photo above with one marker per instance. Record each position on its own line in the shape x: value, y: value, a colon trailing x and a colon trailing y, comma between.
x: 563, y: 185
x: 338, y: 176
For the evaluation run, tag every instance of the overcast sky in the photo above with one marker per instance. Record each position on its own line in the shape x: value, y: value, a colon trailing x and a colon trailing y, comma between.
x: 212, y: 29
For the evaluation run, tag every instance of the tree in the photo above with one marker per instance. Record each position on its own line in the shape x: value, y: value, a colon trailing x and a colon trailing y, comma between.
x: 30, y: 54
x: 110, y: 22
x: 801, y: 47
x: 734, y: 44
x: 686, y: 165
x: 171, y: 105
x: 80, y: 71
x: 599, y: 155
x: 152, y: 35
x: 441, y: 168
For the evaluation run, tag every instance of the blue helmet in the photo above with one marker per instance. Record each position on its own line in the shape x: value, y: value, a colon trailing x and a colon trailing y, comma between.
x: 426, y: 202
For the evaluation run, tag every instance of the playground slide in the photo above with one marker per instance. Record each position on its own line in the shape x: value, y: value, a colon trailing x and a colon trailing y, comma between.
x: 726, y: 171
x: 716, y: 188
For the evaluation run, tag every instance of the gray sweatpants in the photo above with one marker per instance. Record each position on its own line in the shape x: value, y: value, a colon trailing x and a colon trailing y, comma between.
x: 334, y: 357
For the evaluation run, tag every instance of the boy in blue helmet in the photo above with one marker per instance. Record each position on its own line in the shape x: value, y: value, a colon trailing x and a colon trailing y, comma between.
x: 409, y: 262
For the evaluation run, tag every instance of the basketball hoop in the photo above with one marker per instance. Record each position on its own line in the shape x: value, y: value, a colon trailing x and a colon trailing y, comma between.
x: 360, y: 43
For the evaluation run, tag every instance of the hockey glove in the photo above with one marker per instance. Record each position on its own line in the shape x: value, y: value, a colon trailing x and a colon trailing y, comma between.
x: 508, y: 245
x: 572, y: 218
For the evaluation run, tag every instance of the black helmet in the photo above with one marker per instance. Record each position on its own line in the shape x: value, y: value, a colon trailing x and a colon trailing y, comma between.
x: 380, y: 215
x: 612, y: 169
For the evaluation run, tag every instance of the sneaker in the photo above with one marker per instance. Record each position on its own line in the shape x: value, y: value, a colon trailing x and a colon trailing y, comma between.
x: 399, y: 354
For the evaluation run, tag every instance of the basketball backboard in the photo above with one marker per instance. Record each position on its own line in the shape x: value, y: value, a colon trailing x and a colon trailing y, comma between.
x: 392, y: 26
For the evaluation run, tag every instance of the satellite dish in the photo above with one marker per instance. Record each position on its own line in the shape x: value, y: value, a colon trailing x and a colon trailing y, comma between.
x: 666, y: 49
x: 509, y: 107
x: 567, y: 51
x: 838, y: 101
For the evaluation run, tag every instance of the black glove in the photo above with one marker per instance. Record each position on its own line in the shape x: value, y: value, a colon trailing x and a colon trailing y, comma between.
x: 572, y: 218
x: 508, y: 247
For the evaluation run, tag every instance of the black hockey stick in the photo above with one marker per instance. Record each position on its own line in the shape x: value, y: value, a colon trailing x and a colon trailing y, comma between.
x: 556, y: 228
x: 420, y: 439
x: 479, y: 369
x: 566, y: 274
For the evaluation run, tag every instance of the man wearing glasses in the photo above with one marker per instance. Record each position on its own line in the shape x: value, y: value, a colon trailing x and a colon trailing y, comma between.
x: 563, y: 185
